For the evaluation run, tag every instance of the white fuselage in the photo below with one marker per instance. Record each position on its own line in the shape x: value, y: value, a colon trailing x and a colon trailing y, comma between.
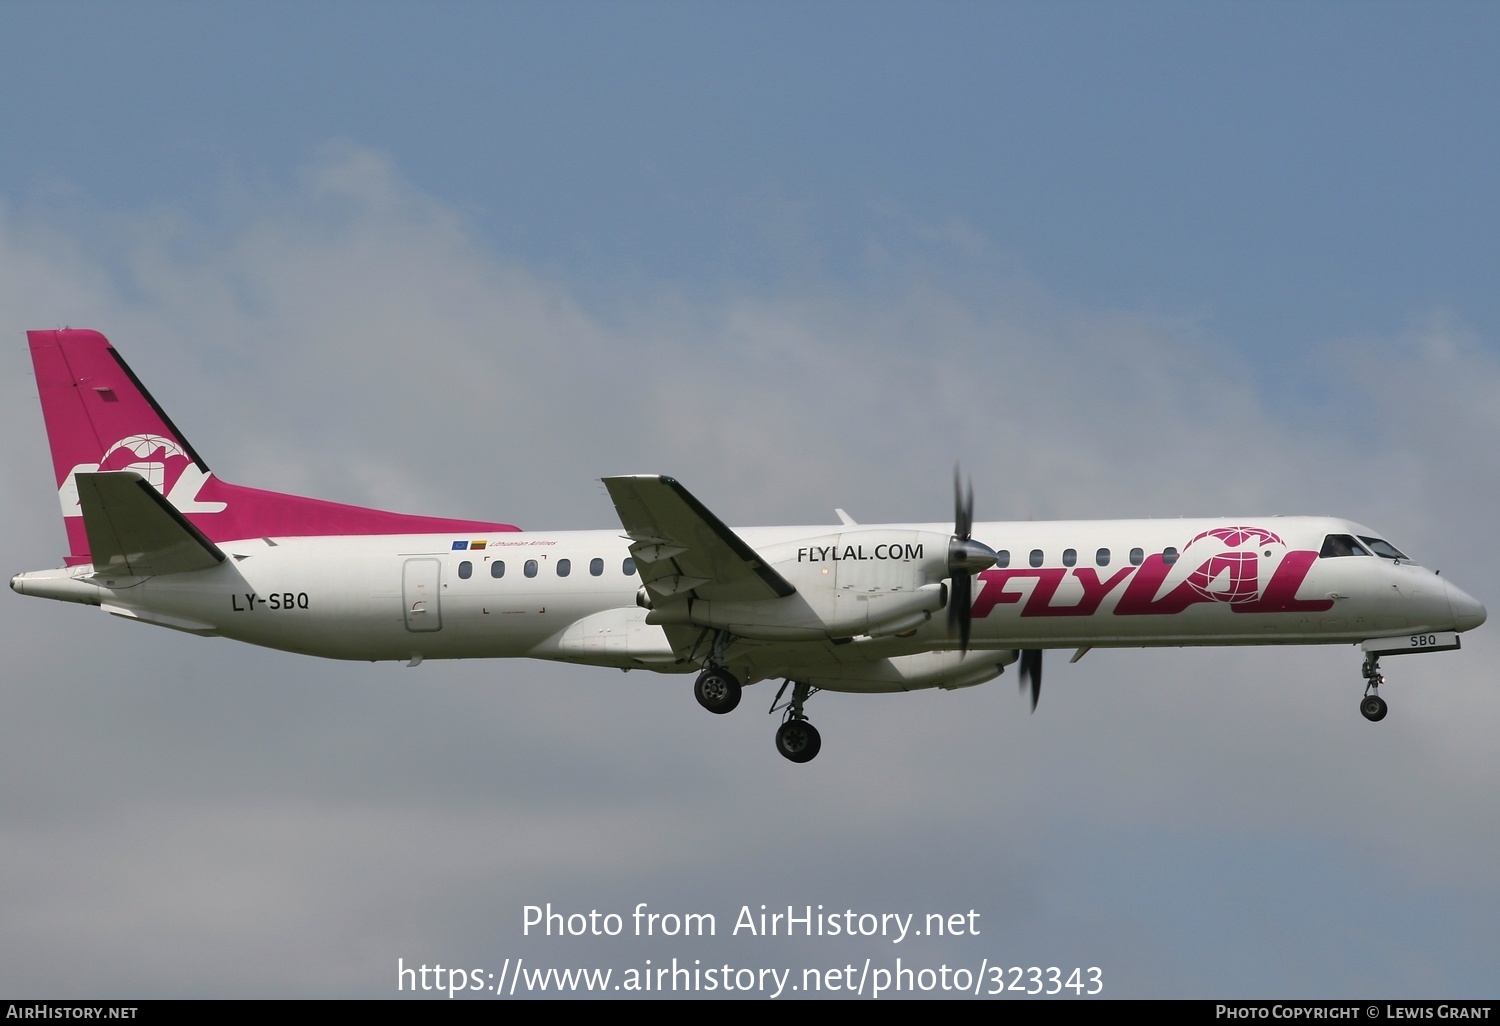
x: 573, y: 595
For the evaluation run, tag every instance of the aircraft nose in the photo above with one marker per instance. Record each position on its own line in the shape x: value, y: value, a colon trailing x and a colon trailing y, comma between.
x: 1468, y: 612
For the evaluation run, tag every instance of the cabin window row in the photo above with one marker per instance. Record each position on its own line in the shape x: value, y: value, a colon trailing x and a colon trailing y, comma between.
x: 1102, y: 557
x: 532, y: 567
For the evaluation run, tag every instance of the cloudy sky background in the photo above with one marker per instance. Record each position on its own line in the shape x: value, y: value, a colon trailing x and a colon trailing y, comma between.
x: 1119, y: 260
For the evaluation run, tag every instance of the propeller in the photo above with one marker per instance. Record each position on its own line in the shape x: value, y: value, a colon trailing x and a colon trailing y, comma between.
x: 966, y: 557
x: 1031, y: 673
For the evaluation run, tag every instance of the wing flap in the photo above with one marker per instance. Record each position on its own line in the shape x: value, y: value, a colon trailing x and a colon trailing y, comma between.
x: 134, y: 531
x: 679, y: 545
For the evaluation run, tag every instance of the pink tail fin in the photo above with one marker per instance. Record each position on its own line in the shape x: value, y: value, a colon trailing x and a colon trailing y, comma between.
x: 101, y: 418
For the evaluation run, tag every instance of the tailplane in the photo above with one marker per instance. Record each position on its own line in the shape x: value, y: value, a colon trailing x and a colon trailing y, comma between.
x: 100, y: 418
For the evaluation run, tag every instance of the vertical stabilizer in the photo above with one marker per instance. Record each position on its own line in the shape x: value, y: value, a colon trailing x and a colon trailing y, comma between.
x: 101, y: 418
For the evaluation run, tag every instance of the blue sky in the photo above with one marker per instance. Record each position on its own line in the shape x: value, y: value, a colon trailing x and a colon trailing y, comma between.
x: 1121, y: 260
x: 1291, y: 172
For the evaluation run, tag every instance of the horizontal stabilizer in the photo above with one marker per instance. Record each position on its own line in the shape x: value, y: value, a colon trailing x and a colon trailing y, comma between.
x: 135, y: 532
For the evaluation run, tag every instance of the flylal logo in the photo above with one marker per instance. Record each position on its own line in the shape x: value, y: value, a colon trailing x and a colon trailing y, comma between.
x: 159, y: 460
x: 1250, y: 569
x: 1230, y: 564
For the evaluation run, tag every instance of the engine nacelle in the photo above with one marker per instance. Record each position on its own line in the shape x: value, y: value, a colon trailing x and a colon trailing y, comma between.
x: 947, y: 670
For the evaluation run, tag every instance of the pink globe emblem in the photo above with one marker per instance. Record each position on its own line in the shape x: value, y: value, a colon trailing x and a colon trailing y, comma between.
x: 1231, y: 576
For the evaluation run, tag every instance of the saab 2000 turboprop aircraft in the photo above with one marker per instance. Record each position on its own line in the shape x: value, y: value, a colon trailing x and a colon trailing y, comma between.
x: 154, y: 536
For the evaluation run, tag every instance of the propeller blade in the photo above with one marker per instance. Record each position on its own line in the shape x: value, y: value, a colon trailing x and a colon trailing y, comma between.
x: 1031, y: 674
x: 966, y: 558
x: 960, y: 607
x: 963, y: 507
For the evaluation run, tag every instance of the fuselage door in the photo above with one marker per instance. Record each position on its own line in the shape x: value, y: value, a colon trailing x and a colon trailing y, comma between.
x: 421, y: 584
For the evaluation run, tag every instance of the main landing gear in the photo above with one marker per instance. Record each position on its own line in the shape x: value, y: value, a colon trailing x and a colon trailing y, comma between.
x: 717, y: 690
x: 1372, y: 706
x: 796, y: 739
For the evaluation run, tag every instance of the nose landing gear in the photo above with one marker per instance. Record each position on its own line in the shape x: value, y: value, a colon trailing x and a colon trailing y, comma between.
x: 1372, y: 706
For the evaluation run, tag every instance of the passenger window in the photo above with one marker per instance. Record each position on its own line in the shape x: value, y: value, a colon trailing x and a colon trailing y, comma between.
x: 1137, y: 557
x: 564, y: 567
x: 465, y: 570
x: 596, y: 566
x: 628, y: 567
x: 1036, y: 557
x: 1102, y: 557
x: 497, y: 568
x: 1169, y: 555
x: 1002, y: 558
x: 531, y: 568
x: 1070, y: 557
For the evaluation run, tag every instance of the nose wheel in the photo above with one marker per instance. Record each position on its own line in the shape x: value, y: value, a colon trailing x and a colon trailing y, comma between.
x: 1372, y: 706
x: 796, y: 739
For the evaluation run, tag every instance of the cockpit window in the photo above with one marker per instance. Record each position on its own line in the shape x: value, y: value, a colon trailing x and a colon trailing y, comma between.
x: 1341, y: 545
x: 1384, y: 549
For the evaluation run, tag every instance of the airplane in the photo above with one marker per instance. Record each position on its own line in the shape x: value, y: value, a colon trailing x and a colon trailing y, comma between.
x: 155, y: 536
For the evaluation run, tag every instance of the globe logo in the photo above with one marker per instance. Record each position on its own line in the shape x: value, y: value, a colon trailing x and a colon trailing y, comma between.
x: 1229, y: 562
x: 144, y: 454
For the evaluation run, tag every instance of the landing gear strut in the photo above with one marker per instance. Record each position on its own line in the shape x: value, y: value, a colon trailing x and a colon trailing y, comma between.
x: 796, y: 739
x: 717, y: 690
x: 1372, y: 706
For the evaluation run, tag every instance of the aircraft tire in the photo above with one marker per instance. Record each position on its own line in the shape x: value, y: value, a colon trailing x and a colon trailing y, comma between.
x: 798, y: 741
x: 1373, y: 708
x: 717, y: 691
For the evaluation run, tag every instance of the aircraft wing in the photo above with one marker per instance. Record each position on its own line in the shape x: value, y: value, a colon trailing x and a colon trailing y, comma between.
x: 680, y: 547
x: 134, y: 531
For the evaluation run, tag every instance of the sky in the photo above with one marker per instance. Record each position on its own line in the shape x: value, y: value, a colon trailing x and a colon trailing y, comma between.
x: 1155, y: 259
